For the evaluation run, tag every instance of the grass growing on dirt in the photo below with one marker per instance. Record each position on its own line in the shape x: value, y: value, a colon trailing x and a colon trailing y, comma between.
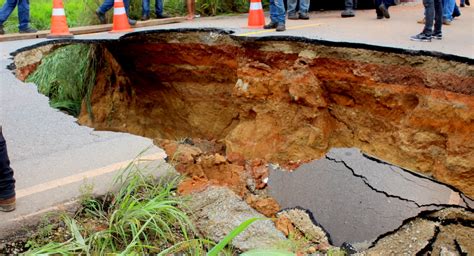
x: 144, y: 216
x: 67, y: 76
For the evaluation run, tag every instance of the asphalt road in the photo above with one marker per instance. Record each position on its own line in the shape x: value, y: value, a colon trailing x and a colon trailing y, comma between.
x: 53, y: 156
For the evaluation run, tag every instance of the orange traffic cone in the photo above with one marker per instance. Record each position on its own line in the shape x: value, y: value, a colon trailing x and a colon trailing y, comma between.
x: 59, y: 28
x: 120, y: 18
x: 256, y: 17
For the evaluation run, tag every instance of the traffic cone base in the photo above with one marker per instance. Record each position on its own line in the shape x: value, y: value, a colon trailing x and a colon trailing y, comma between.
x: 256, y: 16
x: 59, y: 28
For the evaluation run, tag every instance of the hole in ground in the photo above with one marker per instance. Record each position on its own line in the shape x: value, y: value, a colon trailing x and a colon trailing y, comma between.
x: 283, y: 100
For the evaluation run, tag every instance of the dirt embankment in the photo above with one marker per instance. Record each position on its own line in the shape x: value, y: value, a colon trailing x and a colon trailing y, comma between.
x: 287, y: 102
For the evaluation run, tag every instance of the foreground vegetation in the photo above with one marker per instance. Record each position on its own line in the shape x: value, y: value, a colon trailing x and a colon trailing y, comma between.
x: 82, y: 12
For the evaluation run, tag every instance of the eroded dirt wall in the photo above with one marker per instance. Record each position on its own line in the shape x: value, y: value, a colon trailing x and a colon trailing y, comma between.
x: 290, y: 101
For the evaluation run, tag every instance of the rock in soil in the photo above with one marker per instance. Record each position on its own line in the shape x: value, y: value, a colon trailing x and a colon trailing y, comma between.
x: 216, y: 211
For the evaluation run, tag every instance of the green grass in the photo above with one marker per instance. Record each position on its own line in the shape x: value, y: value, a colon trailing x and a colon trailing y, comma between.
x: 67, y: 76
x: 144, y: 216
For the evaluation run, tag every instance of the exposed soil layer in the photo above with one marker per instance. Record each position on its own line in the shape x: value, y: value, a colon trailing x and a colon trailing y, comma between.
x: 287, y: 101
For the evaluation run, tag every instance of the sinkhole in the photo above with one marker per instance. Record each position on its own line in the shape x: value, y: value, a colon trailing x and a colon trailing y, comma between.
x: 284, y: 100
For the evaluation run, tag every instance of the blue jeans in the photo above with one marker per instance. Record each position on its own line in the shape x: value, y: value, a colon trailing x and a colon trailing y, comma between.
x: 448, y: 8
x: 277, y: 11
x: 23, y: 12
x: 158, y: 7
x: 108, y: 4
x: 433, y: 14
x: 7, y: 182
x: 304, y: 6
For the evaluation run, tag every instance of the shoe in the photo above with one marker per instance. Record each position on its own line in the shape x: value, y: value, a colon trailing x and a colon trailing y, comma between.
x: 446, y: 22
x: 437, y: 36
x: 422, y: 21
x: 303, y: 16
x: 292, y: 16
x: 132, y: 22
x: 270, y: 25
x: 101, y: 17
x: 145, y: 17
x: 421, y: 38
x: 467, y: 3
x: 28, y: 30
x: 397, y: 2
x: 7, y: 205
x: 379, y: 17
x: 347, y: 13
x: 280, y: 27
x: 455, y: 15
x: 162, y: 16
x: 2, y: 32
x: 384, y: 11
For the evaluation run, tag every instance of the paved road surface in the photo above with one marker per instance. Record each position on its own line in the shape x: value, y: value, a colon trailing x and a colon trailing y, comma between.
x: 52, y: 154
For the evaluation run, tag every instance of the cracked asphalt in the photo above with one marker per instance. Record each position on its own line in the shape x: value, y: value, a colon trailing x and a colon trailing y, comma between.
x: 48, y: 148
x: 357, y: 198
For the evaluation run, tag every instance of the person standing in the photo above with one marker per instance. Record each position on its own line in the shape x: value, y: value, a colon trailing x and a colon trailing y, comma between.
x: 349, y: 5
x: 107, y: 5
x: 433, y: 14
x: 303, y: 10
x: 158, y: 10
x: 381, y: 8
x: 191, y: 5
x: 7, y: 182
x: 277, y: 16
x: 23, y: 15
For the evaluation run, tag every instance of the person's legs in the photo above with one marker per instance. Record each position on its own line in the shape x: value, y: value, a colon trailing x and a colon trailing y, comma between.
x: 438, y: 16
x: 191, y: 9
x: 146, y: 8
x: 429, y: 16
x: 23, y: 14
x: 6, y: 10
x: 304, y: 7
x: 159, y: 8
x: 456, y: 11
x: 7, y: 182
x: 448, y: 8
x: 349, y: 9
x: 277, y: 15
x: 291, y: 4
x: 107, y: 5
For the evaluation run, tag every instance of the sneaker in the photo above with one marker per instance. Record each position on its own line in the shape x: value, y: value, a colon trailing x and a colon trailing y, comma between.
x: 132, y: 22
x: 462, y: 5
x: 162, y: 16
x: 421, y: 38
x: 379, y: 17
x: 145, y: 17
x: 422, y: 21
x: 280, y: 27
x: 303, y: 16
x: 7, y: 205
x: 467, y: 3
x: 28, y: 30
x: 347, y: 13
x: 2, y: 32
x: 270, y: 25
x: 101, y: 17
x: 437, y: 36
x: 384, y: 11
x: 292, y: 16
x: 446, y: 22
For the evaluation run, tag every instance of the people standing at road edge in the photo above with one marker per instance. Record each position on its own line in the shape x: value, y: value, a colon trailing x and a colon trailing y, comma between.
x: 302, y: 10
x: 277, y: 16
x: 158, y: 10
x: 349, y: 5
x: 433, y: 14
x: 23, y: 15
x: 7, y: 182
